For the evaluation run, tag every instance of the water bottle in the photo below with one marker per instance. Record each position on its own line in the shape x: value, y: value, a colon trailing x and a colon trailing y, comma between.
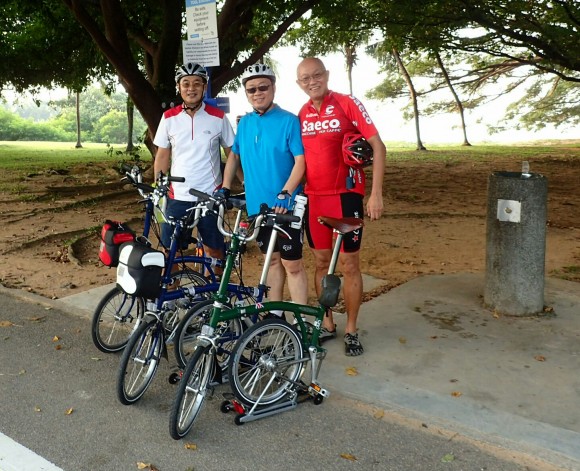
x: 300, y: 202
x: 242, y: 234
x: 243, y: 229
x: 526, y: 169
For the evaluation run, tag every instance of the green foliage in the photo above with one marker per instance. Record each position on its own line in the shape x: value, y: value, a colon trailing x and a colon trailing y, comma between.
x: 548, y: 100
x: 111, y: 128
x: 103, y: 119
x: 41, y: 45
x: 15, y: 128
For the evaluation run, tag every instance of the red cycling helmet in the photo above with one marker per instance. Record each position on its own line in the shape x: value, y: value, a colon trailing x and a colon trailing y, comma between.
x: 356, y: 150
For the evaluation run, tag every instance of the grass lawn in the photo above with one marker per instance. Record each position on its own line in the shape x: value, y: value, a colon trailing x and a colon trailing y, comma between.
x: 36, y: 156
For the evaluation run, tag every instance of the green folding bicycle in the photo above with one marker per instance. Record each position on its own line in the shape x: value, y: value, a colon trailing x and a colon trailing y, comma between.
x: 270, y: 359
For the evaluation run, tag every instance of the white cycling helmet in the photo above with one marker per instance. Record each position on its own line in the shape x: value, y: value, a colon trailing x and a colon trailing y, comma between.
x: 191, y: 68
x: 256, y: 71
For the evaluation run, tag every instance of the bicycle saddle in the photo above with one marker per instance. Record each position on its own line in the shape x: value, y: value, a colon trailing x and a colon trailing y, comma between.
x: 342, y: 225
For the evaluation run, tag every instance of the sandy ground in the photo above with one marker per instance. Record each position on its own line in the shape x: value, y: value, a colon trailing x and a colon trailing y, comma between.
x: 434, y: 222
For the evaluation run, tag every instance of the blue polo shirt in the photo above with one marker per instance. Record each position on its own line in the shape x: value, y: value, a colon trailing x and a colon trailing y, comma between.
x: 267, y: 145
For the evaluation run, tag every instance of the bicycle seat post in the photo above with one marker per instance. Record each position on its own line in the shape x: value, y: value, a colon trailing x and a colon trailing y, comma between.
x: 339, y: 227
x: 268, y: 258
x: 335, y: 251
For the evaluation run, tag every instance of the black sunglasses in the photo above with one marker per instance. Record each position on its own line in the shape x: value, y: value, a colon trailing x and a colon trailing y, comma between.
x: 262, y: 88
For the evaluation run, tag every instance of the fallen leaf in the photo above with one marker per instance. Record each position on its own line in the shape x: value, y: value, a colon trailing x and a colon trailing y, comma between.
x: 37, y: 319
x: 58, y: 347
x: 55, y: 338
x: 496, y: 314
x: 351, y: 371
x: 69, y: 411
x: 190, y: 446
x: 37, y: 409
x: 540, y: 358
x: 379, y: 414
x: 402, y: 340
x: 456, y: 394
x: 6, y: 324
x: 453, y: 380
x: 448, y: 458
x: 348, y: 456
x: 149, y: 466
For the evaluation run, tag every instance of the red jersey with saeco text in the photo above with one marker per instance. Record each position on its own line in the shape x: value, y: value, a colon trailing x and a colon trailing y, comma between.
x: 322, y: 135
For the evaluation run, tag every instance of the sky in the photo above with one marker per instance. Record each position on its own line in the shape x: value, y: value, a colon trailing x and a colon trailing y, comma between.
x: 387, y: 116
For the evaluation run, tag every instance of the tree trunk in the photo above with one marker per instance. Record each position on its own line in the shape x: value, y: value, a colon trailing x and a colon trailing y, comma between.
x: 130, y: 122
x: 413, y: 94
x: 78, y: 106
x: 456, y: 97
x: 350, y: 55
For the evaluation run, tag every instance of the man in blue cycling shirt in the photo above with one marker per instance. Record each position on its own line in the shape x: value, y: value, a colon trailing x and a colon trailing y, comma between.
x: 269, y: 149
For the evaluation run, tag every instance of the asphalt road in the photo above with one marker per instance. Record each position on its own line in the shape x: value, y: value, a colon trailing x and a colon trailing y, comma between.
x: 58, y: 399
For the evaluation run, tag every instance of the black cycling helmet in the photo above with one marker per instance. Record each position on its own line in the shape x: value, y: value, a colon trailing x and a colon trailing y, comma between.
x: 356, y: 150
x: 191, y: 68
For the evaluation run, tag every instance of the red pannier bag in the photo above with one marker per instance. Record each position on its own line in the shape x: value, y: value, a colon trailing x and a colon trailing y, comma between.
x: 113, y: 234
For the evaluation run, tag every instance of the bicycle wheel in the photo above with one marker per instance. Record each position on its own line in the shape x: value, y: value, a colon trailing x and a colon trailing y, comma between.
x: 190, y: 327
x: 140, y: 361
x: 191, y: 391
x: 264, y: 359
x: 188, y: 278
x: 116, y: 316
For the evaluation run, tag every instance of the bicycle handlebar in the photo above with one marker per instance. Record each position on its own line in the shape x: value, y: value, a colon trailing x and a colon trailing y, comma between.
x: 154, y: 194
x: 266, y: 217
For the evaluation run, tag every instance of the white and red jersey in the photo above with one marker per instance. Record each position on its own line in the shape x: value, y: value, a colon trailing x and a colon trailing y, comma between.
x: 195, y: 148
x: 322, y: 136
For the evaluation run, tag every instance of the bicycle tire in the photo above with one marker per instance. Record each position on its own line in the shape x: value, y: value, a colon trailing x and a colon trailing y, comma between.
x: 268, y: 346
x: 190, y: 327
x: 116, y: 316
x: 191, y: 391
x: 140, y: 361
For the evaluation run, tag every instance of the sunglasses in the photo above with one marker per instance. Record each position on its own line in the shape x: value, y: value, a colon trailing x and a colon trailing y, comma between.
x: 261, y: 88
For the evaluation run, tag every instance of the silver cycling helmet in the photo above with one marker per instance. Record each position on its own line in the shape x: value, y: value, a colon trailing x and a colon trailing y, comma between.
x: 256, y: 71
x: 191, y: 68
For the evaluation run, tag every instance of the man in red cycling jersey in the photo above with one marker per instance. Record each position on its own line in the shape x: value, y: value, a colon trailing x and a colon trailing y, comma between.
x: 333, y: 189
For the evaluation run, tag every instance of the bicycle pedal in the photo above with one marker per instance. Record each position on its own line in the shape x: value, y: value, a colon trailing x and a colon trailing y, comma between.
x: 316, y: 390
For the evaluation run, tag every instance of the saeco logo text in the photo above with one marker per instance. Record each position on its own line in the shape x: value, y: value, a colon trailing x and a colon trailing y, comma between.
x: 327, y: 124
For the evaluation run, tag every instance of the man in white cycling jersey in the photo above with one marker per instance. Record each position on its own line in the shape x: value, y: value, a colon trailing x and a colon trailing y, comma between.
x: 188, y: 140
